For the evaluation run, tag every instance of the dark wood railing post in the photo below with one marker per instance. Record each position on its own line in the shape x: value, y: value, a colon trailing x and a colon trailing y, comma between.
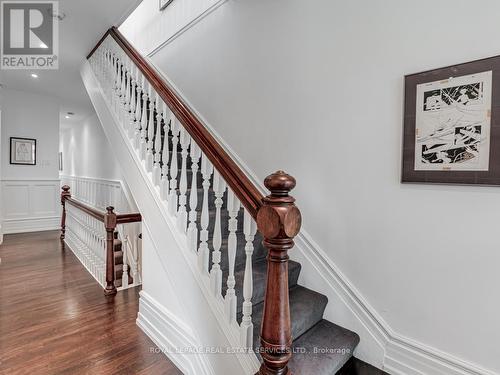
x: 279, y: 221
x: 110, y: 225
x: 64, y: 194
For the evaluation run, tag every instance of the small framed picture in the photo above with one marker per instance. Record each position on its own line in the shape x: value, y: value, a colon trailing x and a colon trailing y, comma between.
x: 22, y: 151
x: 164, y: 3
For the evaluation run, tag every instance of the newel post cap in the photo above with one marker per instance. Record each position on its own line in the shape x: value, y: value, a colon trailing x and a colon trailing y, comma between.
x: 280, y: 183
x: 65, y: 193
x: 279, y: 218
x: 110, y: 219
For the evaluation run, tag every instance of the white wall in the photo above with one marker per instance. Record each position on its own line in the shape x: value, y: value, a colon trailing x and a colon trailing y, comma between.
x: 318, y: 87
x: 87, y: 152
x: 30, y: 116
x: 155, y: 27
x: 30, y: 193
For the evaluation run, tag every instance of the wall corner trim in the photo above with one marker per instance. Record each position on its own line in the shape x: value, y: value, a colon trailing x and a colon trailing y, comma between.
x: 168, y: 332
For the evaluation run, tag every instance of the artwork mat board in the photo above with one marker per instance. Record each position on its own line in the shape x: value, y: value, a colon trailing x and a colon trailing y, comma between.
x: 453, y: 118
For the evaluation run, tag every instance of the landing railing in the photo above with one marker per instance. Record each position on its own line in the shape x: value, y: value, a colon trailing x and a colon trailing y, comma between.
x: 167, y: 136
x: 90, y: 233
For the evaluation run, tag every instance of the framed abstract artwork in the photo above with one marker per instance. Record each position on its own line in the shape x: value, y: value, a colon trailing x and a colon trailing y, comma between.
x: 22, y: 151
x: 452, y: 125
x: 164, y: 3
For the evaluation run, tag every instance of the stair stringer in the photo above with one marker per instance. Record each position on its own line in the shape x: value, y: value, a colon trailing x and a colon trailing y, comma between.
x: 202, y: 311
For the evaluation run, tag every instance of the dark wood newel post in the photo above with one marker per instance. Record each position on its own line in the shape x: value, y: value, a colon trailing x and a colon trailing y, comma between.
x: 64, y: 194
x: 279, y: 221
x: 110, y: 225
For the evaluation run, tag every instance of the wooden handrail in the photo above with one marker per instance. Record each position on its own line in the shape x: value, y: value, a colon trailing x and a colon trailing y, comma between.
x: 248, y: 194
x: 99, y: 215
x: 110, y: 220
x: 87, y: 209
x: 128, y: 218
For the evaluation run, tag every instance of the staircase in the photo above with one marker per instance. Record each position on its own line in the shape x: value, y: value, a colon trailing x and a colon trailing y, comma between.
x: 309, y: 329
x: 218, y: 210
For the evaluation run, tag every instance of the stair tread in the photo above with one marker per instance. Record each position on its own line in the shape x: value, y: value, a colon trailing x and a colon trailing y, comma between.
x: 306, y: 309
x: 334, y: 347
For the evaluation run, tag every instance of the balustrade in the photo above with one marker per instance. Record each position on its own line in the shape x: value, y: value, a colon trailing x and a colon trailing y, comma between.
x: 178, y: 150
x: 90, y: 234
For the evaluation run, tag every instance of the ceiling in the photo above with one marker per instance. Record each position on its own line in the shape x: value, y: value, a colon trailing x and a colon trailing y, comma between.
x: 84, y: 24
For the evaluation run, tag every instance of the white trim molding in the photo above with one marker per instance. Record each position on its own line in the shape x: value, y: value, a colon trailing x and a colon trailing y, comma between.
x: 171, y: 335
x: 30, y: 205
x: 401, y: 355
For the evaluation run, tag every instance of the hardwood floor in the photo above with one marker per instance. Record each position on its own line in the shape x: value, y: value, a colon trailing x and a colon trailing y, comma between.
x: 54, y: 318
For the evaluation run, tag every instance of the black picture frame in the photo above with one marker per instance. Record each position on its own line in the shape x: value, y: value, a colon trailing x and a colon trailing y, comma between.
x: 31, y: 152
x: 462, y: 177
x: 164, y: 4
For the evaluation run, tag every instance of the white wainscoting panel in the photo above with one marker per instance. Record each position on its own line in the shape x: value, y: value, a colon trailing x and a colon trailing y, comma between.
x: 30, y: 205
x: 100, y: 193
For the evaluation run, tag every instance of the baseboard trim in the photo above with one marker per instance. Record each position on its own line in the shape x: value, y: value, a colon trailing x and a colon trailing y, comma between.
x: 403, y: 355
x: 169, y: 334
x: 27, y: 225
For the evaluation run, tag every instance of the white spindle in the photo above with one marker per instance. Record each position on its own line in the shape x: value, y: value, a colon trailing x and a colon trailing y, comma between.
x: 133, y: 104
x: 203, y: 251
x: 172, y: 195
x: 122, y: 81
x: 151, y: 132
x: 216, y: 272
x: 246, y: 327
x: 126, y: 97
x: 138, y: 113
x: 125, y: 263
x: 182, y: 213
x: 157, y: 144
x: 165, y: 155
x: 192, y: 233
x: 144, y: 121
x: 233, y: 207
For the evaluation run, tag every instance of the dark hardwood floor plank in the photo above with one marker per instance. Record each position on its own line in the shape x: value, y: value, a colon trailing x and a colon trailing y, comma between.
x: 55, y: 319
